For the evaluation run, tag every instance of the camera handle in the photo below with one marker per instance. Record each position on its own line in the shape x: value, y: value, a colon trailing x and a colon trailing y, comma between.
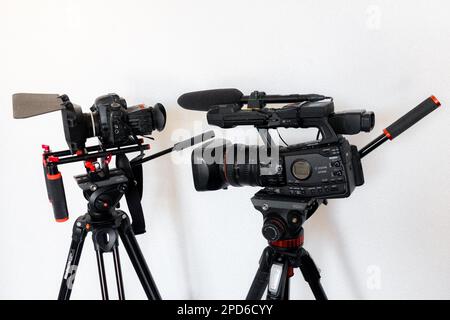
x: 402, y: 124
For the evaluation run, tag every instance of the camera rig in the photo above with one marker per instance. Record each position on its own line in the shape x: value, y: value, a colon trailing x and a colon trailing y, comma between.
x: 120, y: 131
x: 96, y: 159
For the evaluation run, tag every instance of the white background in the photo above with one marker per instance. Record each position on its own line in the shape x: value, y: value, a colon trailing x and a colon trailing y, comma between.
x: 390, y: 239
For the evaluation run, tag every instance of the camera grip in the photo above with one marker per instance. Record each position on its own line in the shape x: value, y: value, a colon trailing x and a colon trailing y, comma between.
x: 57, y: 196
x: 424, y: 108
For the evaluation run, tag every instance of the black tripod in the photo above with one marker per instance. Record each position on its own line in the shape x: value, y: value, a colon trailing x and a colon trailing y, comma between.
x: 283, y: 220
x: 107, y: 224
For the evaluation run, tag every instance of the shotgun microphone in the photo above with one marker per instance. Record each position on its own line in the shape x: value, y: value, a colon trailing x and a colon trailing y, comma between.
x: 207, y: 99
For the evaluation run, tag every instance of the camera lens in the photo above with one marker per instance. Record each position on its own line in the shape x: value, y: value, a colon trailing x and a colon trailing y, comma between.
x: 219, y: 164
x: 207, y: 165
x: 242, y: 165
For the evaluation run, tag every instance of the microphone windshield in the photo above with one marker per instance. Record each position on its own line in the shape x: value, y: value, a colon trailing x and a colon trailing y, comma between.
x: 27, y: 105
x: 205, y: 100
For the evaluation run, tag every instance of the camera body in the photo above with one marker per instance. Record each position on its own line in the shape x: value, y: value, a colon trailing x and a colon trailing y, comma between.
x: 307, y: 170
x: 110, y: 120
x: 317, y: 170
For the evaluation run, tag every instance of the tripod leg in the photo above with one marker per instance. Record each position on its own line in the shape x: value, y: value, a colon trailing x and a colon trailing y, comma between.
x: 102, y: 275
x: 79, y: 233
x: 261, y: 279
x: 118, y: 270
x: 312, y: 275
x: 137, y: 259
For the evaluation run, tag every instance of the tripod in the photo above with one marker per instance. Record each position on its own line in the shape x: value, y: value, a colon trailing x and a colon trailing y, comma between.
x: 283, y: 220
x: 107, y: 224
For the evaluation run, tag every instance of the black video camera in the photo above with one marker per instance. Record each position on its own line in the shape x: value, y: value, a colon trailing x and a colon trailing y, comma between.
x: 322, y: 169
x: 326, y: 168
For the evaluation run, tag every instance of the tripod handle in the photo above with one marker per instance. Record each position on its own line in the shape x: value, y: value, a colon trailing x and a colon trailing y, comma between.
x: 415, y: 115
x: 56, y: 193
x: 418, y: 113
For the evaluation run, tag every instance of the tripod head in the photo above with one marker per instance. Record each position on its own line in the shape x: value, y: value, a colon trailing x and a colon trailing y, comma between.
x: 283, y: 217
x: 103, y: 195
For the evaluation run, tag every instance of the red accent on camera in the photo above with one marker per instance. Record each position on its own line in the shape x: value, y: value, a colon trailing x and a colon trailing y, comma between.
x: 56, y: 176
x: 89, y: 165
x: 387, y: 134
x: 53, y: 159
x: 435, y: 100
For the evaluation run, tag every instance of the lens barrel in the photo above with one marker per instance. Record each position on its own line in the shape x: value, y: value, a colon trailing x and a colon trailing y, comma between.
x: 218, y: 164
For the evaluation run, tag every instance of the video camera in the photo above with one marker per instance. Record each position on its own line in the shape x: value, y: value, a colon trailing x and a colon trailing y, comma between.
x: 329, y: 167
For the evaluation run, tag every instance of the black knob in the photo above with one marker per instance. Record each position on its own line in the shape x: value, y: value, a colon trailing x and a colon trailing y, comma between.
x: 273, y: 229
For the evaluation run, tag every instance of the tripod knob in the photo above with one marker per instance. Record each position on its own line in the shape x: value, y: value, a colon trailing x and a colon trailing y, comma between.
x: 273, y: 229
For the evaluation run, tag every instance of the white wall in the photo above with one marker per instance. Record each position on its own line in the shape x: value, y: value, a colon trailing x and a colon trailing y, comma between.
x: 385, y: 56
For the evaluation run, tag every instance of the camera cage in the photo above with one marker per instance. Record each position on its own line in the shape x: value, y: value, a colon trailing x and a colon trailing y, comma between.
x: 98, y: 171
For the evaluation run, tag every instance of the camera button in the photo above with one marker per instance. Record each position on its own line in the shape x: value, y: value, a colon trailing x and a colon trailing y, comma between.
x: 338, y: 173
